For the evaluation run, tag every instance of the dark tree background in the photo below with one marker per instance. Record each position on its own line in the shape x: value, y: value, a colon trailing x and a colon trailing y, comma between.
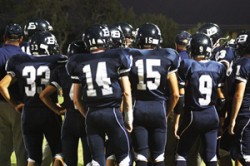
x: 70, y: 18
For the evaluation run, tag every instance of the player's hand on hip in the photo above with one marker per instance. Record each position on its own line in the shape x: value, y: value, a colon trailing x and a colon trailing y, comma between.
x: 19, y: 107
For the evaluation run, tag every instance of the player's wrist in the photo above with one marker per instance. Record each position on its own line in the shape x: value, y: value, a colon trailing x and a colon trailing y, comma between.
x: 128, y: 116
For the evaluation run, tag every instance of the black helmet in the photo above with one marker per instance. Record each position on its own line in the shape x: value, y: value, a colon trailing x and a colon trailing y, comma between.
x: 117, y: 37
x: 35, y: 25
x: 43, y: 43
x: 127, y: 29
x: 76, y: 47
x: 97, y: 36
x: 211, y: 30
x: 242, y: 43
x: 200, y: 45
x: 148, y: 34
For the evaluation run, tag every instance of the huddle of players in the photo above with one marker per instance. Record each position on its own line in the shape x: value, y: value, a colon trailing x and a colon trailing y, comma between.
x: 109, y: 87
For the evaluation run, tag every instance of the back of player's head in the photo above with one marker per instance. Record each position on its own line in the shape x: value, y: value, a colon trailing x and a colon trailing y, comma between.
x: 35, y: 25
x: 97, y: 36
x: 43, y: 43
x: 13, y: 32
x: 148, y: 34
x: 127, y: 29
x: 200, y: 45
x: 183, y: 38
x: 117, y: 36
x: 76, y: 47
x: 242, y: 43
x: 212, y: 30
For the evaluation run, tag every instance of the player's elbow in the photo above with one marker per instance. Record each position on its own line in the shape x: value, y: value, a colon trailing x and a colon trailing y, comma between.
x: 2, y: 88
x: 175, y: 96
x: 76, y: 102
x: 43, y: 96
x: 127, y: 94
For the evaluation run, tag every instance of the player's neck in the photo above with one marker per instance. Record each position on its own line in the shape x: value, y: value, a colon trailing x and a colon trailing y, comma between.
x: 98, y: 50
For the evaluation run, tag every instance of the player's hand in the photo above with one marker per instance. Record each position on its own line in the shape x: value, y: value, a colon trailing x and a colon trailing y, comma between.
x: 220, y: 132
x: 176, y: 126
x: 231, y: 128
x: 19, y: 107
x: 129, y: 127
x: 61, y: 111
x: 128, y: 119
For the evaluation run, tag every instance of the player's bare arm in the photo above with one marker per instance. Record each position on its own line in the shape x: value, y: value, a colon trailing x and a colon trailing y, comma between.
x: 45, y: 97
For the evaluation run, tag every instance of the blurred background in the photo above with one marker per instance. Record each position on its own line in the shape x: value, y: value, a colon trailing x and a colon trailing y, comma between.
x: 70, y: 18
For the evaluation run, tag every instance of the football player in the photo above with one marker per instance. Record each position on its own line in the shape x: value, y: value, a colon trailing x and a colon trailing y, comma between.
x: 100, y: 80
x: 32, y: 26
x: 73, y: 127
x: 33, y: 73
x: 117, y: 37
x: 240, y: 118
x: 129, y: 33
x: 202, y: 80
x: 153, y: 77
x: 224, y: 53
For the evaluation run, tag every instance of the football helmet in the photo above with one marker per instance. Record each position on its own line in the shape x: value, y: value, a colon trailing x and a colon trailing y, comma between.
x: 242, y: 43
x: 148, y: 34
x: 200, y: 45
x: 127, y: 29
x: 36, y: 24
x: 213, y: 31
x: 43, y: 43
x: 76, y: 47
x: 97, y: 36
x: 118, y: 38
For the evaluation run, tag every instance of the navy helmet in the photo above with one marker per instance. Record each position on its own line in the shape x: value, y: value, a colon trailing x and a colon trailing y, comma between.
x: 117, y: 36
x: 43, y: 43
x: 148, y: 34
x: 212, y: 30
x: 35, y: 25
x: 97, y: 36
x: 200, y: 45
x: 242, y: 43
x: 76, y: 47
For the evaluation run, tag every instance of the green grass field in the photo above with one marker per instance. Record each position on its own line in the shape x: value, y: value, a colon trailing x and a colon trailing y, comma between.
x: 80, y: 157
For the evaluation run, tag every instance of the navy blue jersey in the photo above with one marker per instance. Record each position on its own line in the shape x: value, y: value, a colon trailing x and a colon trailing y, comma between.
x: 99, y: 75
x: 25, y: 46
x: 60, y: 78
x: 241, y: 73
x: 201, y: 80
x: 148, y: 75
x: 184, y: 54
x: 33, y: 74
x: 6, y: 52
x: 225, y: 55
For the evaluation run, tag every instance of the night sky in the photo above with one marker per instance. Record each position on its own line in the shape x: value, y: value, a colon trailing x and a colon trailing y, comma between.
x: 185, y: 12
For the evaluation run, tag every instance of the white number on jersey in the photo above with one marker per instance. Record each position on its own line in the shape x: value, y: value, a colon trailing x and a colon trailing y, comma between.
x: 205, y: 87
x: 32, y: 88
x: 101, y: 79
x: 151, y: 85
